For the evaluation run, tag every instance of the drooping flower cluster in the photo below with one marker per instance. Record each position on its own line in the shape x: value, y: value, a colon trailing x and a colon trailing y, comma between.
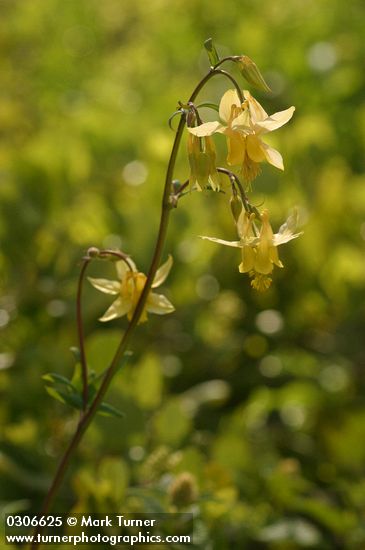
x: 244, y: 125
x: 259, y: 248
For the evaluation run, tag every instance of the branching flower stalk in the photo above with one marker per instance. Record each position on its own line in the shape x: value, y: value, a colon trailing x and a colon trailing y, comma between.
x: 243, y: 122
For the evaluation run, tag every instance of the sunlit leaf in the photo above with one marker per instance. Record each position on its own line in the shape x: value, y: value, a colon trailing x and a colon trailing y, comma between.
x: 108, y: 410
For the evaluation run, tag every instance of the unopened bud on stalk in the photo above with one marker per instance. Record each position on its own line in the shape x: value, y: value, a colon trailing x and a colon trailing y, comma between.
x: 176, y: 184
x: 236, y: 206
x: 93, y: 252
x: 212, y: 52
x: 251, y: 73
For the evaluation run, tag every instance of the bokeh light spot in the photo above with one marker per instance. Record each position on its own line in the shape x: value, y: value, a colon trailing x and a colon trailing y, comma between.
x: 135, y: 173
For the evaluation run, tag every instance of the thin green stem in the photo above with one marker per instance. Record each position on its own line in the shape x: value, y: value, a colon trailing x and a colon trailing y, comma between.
x: 246, y: 203
x: 234, y: 178
x: 228, y: 58
x: 155, y: 262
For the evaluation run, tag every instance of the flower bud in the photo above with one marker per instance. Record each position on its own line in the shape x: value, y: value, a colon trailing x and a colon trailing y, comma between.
x: 236, y: 206
x: 212, y: 52
x: 251, y: 73
x: 93, y: 252
x: 176, y: 184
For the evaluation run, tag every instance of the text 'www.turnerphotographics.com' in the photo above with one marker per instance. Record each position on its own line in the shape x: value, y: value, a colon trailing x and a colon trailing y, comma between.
x: 113, y: 529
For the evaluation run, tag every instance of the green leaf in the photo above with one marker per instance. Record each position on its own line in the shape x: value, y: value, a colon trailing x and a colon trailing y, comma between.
x: 54, y: 378
x: 55, y: 394
x: 212, y: 52
x: 73, y: 399
x: 91, y: 393
x: 106, y: 409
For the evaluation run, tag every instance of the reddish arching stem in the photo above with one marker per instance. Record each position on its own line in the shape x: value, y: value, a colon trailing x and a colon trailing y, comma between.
x: 89, y: 413
x: 116, y: 254
x: 80, y: 333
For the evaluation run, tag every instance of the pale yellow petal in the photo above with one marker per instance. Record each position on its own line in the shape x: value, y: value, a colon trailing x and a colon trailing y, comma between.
x: 236, y: 145
x: 248, y: 259
x: 162, y: 272
x: 122, y: 268
x: 242, y: 223
x: 275, y: 121
x: 285, y: 237
x: 158, y: 303
x: 118, y: 308
x: 106, y: 286
x: 274, y: 256
x: 273, y: 156
x: 225, y: 107
x: 257, y: 112
x: 266, y: 233
x: 242, y: 123
x: 286, y: 231
x: 207, y: 129
x: 255, y: 149
x: 263, y: 263
x: 244, y: 228
x: 290, y: 223
x: 234, y: 244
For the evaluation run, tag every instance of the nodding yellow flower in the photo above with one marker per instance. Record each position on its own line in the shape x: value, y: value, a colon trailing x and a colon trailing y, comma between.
x: 129, y: 287
x: 259, y: 248
x: 244, y: 125
x: 201, y: 154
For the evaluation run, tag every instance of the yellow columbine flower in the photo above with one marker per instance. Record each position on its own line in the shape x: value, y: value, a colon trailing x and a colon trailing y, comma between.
x: 201, y: 154
x: 259, y: 250
x: 243, y: 125
x: 129, y: 288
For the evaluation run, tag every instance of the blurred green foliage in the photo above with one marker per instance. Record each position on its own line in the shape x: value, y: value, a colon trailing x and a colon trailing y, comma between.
x: 256, y: 401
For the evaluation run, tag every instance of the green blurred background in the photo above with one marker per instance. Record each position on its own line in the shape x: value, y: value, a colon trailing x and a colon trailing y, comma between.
x: 247, y: 409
